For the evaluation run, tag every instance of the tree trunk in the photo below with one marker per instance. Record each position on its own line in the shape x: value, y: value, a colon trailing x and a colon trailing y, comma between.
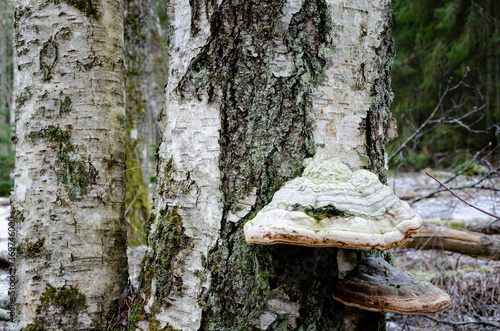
x: 255, y: 88
x: 67, y: 206
x: 456, y: 240
x: 3, y: 62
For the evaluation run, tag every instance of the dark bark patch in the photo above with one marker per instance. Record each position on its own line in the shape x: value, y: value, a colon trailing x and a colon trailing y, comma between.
x: 266, y: 119
x: 65, y: 104
x: 87, y: 7
x: 195, y: 16
x: 166, y: 243
x: 66, y: 302
x: 377, y: 119
x: 245, y: 276
x: 22, y: 97
x: 71, y: 169
x: 48, y: 58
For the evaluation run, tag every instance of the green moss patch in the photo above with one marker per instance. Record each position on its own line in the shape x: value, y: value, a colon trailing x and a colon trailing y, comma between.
x: 64, y: 298
x: 137, y: 203
x: 66, y: 302
x: 30, y: 249
x: 324, y: 212
x: 32, y: 327
x: 451, y: 223
x: 166, y: 242
x: 85, y: 6
x: 71, y: 170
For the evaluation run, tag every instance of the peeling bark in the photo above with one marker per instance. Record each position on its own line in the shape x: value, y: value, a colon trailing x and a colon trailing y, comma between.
x: 67, y: 203
x: 255, y: 89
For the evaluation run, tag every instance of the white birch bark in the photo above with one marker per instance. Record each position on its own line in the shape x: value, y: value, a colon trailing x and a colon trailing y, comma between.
x: 193, y: 169
x: 69, y: 181
x: 343, y: 99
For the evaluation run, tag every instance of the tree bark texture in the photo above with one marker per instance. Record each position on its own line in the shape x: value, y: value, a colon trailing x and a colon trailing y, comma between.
x: 255, y: 89
x: 456, y: 240
x: 67, y: 203
x: 3, y: 60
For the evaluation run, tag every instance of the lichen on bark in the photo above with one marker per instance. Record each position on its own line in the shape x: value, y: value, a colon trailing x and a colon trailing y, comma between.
x: 377, y: 119
x: 65, y: 301
x: 257, y: 71
x: 158, y: 263
x: 71, y: 169
x: 266, y: 117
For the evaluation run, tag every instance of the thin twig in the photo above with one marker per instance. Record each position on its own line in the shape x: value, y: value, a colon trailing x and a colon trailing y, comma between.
x: 429, y: 119
x: 459, y: 198
x: 133, y: 201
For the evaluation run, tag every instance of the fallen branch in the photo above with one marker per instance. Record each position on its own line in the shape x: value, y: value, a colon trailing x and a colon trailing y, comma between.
x: 456, y: 240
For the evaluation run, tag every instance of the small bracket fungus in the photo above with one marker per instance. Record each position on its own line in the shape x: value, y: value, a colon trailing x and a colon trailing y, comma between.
x: 331, y: 206
x: 377, y: 286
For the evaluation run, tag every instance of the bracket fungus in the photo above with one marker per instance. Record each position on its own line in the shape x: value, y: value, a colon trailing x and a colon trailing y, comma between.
x: 377, y: 286
x: 332, y: 206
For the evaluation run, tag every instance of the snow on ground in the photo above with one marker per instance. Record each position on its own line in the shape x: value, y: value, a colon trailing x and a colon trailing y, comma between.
x: 444, y: 206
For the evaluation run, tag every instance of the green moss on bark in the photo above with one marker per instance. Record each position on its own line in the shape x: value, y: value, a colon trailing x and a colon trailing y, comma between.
x: 32, y: 327
x: 64, y: 298
x: 71, y: 170
x: 66, y: 302
x: 87, y: 7
x: 166, y: 242
x: 137, y: 203
x: 30, y: 249
x: 377, y: 119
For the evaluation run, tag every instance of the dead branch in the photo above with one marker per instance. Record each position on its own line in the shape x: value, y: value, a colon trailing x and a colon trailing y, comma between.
x: 456, y: 240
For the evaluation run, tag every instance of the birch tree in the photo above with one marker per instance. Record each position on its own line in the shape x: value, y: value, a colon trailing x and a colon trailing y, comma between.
x: 255, y: 88
x: 67, y: 203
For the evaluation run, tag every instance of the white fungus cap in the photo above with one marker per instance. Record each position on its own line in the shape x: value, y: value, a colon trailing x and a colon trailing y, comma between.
x: 331, y: 206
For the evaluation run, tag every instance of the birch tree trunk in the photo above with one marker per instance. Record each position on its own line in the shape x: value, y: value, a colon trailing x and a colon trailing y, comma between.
x: 255, y: 88
x: 4, y: 89
x: 67, y: 206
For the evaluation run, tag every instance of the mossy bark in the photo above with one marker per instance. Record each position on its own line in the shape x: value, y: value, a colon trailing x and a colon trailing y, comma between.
x: 251, y: 95
x: 67, y: 206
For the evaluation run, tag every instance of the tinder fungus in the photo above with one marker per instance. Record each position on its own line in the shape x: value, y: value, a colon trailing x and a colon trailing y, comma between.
x: 332, y: 206
x: 377, y: 286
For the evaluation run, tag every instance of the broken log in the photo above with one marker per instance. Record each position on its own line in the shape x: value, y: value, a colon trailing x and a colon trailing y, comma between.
x: 455, y: 240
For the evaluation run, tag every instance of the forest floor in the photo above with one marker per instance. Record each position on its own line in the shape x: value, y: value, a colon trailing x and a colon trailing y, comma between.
x: 472, y: 283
